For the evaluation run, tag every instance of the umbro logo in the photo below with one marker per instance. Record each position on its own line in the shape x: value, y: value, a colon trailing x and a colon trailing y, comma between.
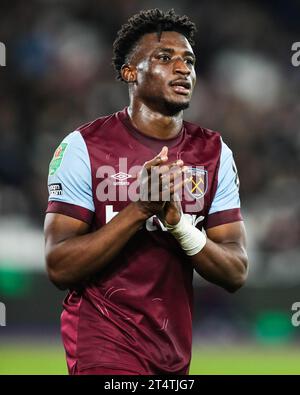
x: 121, y: 178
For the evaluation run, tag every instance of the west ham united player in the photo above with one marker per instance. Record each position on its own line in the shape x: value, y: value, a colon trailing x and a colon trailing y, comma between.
x: 125, y: 252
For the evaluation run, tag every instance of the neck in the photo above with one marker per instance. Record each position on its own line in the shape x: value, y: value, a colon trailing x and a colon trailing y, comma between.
x: 154, y: 124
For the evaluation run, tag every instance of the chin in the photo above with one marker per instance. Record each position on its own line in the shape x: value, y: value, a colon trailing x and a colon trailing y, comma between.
x: 173, y: 107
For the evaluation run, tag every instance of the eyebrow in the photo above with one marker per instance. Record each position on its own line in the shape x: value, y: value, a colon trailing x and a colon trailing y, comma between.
x: 171, y: 51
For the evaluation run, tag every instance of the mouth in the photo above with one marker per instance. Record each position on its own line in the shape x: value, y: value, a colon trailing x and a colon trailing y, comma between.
x: 181, y: 87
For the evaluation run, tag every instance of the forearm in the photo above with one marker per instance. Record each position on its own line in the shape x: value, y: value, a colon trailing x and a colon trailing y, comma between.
x: 224, y: 264
x: 220, y: 256
x: 72, y: 261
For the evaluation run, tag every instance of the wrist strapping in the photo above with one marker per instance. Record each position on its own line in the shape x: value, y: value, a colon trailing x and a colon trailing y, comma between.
x: 191, y: 239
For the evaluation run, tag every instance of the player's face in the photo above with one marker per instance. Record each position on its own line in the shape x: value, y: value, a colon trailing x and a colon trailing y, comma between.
x: 165, y: 72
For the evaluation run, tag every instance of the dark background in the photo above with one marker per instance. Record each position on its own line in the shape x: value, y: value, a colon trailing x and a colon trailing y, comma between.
x: 58, y: 75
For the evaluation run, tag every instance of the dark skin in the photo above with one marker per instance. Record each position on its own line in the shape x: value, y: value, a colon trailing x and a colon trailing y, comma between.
x: 161, y: 78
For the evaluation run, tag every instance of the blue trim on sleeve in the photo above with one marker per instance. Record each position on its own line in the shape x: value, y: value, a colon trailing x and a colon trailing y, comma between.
x: 227, y: 193
x: 73, y: 178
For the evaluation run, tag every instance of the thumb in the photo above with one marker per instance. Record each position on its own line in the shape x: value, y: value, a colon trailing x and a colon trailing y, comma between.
x: 158, y: 159
x: 163, y: 154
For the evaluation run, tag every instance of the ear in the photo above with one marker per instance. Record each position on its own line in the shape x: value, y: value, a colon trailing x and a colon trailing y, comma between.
x: 128, y: 73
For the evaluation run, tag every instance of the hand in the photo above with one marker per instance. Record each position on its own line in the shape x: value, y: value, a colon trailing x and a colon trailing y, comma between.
x: 158, y: 183
x: 172, y: 211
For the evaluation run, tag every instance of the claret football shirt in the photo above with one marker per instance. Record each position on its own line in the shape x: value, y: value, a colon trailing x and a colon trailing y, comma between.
x: 137, y: 312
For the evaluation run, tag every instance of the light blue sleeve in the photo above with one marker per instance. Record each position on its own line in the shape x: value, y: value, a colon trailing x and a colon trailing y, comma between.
x: 227, y: 193
x: 70, y: 178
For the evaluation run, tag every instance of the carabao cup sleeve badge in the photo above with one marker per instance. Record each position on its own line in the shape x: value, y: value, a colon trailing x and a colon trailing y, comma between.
x: 57, y: 158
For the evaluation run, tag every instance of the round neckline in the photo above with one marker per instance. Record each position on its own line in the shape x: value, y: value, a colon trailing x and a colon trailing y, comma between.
x: 149, y: 141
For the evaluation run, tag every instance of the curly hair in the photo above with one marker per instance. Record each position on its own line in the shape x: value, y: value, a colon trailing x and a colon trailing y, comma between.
x: 148, y: 21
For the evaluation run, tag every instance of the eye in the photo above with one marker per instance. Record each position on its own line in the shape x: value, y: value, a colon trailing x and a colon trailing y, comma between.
x: 164, y: 57
x: 190, y: 61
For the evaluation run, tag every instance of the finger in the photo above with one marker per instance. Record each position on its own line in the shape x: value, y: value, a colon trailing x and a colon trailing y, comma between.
x: 172, y: 182
x: 164, y: 153
x: 158, y: 159
x: 166, y: 194
x: 180, y: 185
x: 170, y: 178
x: 160, y: 172
x: 173, y: 173
x: 169, y: 188
x: 153, y: 162
x: 172, y: 167
x: 158, y: 184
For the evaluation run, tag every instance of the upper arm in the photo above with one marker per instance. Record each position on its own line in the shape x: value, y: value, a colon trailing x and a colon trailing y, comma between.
x: 225, y: 206
x: 225, y: 224
x: 58, y: 227
x: 70, y: 180
x: 70, y: 207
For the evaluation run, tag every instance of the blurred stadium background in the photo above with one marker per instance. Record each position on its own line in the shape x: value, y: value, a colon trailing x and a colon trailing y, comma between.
x: 59, y: 75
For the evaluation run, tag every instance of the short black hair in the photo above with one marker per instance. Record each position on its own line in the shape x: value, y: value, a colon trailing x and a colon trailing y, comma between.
x: 148, y: 21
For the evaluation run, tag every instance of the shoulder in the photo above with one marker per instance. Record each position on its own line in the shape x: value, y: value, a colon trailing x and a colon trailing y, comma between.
x: 209, y: 141
x: 75, y: 148
x: 201, y: 132
x: 97, y: 126
x: 212, y: 136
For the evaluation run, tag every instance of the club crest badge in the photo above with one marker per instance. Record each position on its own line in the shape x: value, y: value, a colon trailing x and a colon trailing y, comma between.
x: 197, y: 186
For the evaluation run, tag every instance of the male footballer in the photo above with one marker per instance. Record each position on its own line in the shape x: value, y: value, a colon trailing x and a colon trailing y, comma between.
x: 138, y: 201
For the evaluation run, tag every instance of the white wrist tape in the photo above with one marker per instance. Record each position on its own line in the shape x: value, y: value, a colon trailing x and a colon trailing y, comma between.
x: 191, y: 239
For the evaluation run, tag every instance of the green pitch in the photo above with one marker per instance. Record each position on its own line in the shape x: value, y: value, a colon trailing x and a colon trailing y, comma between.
x: 49, y: 359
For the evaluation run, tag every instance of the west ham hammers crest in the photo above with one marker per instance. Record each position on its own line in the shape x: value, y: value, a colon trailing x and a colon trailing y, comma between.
x: 197, y: 186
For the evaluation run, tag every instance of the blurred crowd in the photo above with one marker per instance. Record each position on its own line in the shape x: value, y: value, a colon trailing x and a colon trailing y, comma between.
x: 59, y: 76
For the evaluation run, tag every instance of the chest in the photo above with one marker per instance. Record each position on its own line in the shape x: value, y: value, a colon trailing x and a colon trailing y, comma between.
x: 116, y: 163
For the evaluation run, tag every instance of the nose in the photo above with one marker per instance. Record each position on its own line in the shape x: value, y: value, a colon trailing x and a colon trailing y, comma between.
x: 180, y: 67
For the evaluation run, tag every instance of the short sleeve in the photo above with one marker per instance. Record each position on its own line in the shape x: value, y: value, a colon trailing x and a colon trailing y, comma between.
x: 225, y: 207
x: 70, y: 180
